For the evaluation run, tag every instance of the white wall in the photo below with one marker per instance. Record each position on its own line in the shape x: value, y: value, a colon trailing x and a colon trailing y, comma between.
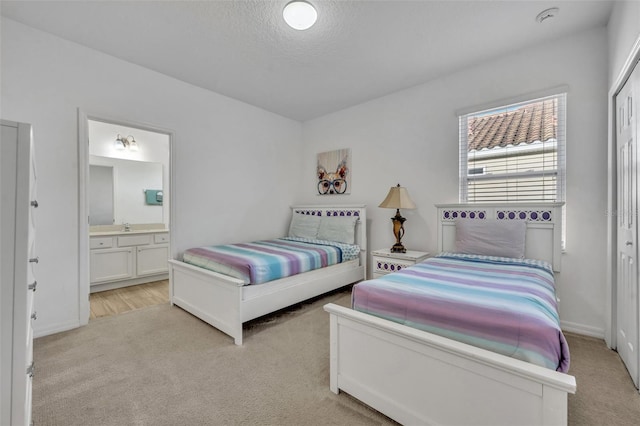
x: 411, y: 138
x: 623, y: 30
x: 233, y: 162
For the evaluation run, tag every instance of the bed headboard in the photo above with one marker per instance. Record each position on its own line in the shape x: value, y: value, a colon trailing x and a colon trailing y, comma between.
x: 543, y: 239
x: 359, y: 211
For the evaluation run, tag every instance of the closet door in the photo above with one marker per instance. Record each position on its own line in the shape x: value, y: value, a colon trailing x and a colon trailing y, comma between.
x: 627, y: 249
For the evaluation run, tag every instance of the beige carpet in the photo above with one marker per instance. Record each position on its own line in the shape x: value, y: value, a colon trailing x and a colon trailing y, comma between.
x: 162, y: 366
x: 605, y: 392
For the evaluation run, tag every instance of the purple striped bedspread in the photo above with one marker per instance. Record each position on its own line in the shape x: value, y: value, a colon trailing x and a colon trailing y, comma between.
x: 504, y: 305
x: 262, y: 261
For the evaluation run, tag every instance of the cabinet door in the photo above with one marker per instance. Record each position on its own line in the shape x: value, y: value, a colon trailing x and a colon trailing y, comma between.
x: 153, y: 259
x: 111, y: 264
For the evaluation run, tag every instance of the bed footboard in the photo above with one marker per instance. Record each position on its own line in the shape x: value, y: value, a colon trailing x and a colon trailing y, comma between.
x: 416, y: 377
x: 226, y: 303
x: 214, y: 298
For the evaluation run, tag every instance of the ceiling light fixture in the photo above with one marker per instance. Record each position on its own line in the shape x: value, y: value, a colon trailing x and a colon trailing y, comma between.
x: 299, y: 15
x: 546, y: 14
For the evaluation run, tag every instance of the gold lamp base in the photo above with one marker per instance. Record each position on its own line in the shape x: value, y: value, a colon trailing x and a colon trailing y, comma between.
x: 398, y: 232
x: 398, y: 248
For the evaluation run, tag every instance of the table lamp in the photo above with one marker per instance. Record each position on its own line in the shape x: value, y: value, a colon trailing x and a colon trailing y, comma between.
x: 398, y: 198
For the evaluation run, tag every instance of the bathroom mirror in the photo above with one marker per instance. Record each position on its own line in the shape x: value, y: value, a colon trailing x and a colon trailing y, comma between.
x: 117, y: 191
x: 101, y: 195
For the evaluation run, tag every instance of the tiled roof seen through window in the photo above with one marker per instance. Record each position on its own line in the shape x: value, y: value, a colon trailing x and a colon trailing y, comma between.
x: 526, y: 124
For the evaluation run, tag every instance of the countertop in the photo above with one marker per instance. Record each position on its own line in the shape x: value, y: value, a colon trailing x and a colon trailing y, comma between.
x: 121, y: 232
x: 136, y: 228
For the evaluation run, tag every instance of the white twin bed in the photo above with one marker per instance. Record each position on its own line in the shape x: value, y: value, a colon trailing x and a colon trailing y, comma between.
x: 416, y: 377
x: 226, y: 302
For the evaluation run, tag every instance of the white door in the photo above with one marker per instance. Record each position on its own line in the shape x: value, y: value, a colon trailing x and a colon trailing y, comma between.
x: 627, y: 250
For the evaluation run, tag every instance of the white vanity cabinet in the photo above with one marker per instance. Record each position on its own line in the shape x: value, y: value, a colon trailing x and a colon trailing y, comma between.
x: 128, y: 258
x: 111, y: 264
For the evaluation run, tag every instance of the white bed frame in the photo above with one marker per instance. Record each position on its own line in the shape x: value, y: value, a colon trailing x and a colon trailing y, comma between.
x: 226, y: 303
x: 416, y: 377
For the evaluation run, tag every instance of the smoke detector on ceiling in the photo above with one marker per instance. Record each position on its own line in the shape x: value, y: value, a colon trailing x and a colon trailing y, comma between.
x: 547, y: 13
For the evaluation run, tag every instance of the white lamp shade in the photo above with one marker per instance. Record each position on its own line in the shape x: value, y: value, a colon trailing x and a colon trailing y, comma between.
x: 398, y: 198
x: 118, y: 143
x: 131, y: 143
x: 300, y: 15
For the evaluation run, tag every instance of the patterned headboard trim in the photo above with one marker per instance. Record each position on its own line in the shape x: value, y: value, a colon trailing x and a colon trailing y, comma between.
x: 344, y: 213
x: 544, y: 225
x: 504, y: 214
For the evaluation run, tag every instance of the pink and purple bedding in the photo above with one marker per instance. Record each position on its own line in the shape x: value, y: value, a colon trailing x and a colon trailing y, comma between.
x: 262, y: 261
x: 505, y: 305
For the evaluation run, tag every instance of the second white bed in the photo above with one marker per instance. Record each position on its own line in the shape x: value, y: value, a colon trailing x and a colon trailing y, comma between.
x: 226, y: 303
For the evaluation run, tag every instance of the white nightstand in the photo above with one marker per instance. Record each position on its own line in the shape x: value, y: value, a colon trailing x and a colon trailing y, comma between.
x: 385, y: 262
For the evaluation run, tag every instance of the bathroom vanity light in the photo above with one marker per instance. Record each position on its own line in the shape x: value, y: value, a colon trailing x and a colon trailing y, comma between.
x: 126, y: 143
x: 299, y: 15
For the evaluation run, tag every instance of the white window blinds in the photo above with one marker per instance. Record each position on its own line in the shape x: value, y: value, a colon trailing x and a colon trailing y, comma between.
x: 514, y: 153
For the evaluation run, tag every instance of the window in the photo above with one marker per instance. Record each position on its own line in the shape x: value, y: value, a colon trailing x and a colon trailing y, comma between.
x: 514, y: 153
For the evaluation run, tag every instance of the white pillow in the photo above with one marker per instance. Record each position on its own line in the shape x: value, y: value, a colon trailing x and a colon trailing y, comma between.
x: 491, y: 237
x: 304, y: 226
x: 341, y: 229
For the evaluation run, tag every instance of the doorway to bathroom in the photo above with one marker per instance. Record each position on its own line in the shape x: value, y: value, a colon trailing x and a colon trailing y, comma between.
x: 125, y: 195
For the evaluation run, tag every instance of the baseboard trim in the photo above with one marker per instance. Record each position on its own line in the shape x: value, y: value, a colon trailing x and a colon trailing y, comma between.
x: 55, y: 328
x: 582, y: 329
x: 95, y: 288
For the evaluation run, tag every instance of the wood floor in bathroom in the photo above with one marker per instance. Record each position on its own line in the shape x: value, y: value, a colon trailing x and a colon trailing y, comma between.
x: 113, y: 302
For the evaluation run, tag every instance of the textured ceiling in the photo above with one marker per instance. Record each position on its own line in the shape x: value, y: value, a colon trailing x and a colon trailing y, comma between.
x: 357, y: 51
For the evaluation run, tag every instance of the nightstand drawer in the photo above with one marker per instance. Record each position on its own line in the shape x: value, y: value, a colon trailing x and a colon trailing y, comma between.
x: 387, y: 265
x: 386, y: 262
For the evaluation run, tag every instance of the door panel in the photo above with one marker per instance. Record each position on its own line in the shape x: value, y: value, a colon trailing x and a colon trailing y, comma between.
x: 111, y: 264
x: 627, y: 250
x: 153, y: 259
